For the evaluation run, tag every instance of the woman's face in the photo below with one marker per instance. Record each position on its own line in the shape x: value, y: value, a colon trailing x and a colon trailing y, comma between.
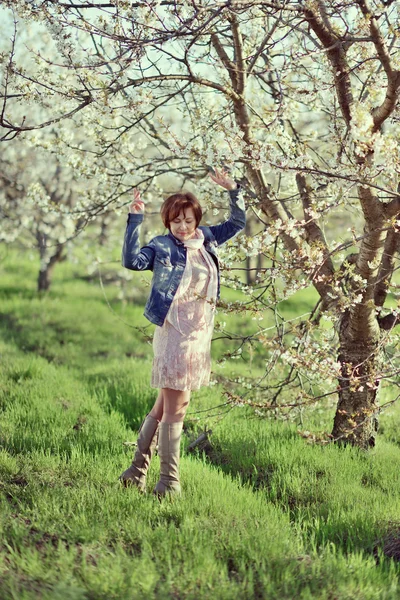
x: 184, y: 225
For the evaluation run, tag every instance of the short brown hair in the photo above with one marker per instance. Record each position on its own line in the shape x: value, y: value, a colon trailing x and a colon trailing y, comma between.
x: 173, y: 205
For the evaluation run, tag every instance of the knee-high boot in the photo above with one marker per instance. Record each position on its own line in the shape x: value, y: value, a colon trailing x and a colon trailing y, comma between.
x: 146, y: 444
x: 168, y: 450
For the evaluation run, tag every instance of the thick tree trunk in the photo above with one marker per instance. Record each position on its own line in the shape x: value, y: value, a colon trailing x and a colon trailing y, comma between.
x: 47, y: 268
x: 356, y: 415
x: 44, y: 280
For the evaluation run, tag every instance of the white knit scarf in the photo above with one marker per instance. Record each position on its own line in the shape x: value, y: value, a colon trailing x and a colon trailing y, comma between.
x: 194, y: 243
x: 197, y: 243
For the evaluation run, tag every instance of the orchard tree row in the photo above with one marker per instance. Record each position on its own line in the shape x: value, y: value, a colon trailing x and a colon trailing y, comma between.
x: 299, y: 99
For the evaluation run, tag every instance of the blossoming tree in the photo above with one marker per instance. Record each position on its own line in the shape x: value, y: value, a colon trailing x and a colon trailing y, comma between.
x: 299, y: 99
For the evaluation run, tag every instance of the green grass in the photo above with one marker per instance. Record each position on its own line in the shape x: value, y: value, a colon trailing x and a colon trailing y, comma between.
x: 264, y: 514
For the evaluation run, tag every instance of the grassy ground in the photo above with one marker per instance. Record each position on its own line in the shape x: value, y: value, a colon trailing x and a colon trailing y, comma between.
x: 263, y: 514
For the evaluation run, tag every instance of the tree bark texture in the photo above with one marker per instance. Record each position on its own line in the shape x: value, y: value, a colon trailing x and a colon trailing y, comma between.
x: 47, y: 266
x: 44, y: 279
x: 356, y: 415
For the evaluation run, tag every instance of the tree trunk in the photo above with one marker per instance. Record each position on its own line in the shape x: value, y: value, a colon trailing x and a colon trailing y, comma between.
x: 47, y: 268
x: 44, y: 280
x: 356, y: 420
x: 45, y: 275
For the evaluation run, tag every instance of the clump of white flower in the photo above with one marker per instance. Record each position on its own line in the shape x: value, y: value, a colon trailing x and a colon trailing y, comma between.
x: 362, y: 124
x: 37, y: 196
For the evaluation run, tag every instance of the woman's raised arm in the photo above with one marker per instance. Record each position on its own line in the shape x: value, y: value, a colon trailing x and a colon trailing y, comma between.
x: 134, y: 257
x: 237, y: 218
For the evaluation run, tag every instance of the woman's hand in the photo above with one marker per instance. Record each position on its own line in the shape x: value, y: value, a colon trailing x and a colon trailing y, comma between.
x: 137, y: 205
x: 221, y: 177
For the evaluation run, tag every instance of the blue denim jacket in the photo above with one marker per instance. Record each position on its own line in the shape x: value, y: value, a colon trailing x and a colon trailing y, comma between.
x: 165, y: 255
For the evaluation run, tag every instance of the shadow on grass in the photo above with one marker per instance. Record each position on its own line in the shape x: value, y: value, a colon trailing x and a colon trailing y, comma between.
x: 33, y: 339
x: 322, y: 489
x: 18, y: 291
x: 121, y: 393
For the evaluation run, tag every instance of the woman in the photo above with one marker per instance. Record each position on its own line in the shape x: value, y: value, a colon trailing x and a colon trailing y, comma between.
x: 183, y: 292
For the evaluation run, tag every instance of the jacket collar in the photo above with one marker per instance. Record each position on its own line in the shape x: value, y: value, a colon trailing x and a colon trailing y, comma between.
x: 174, y: 239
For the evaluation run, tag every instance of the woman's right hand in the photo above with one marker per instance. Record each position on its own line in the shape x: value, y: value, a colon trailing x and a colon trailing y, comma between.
x: 137, y: 205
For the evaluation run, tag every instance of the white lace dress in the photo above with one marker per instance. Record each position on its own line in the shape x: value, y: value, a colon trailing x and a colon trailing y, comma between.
x: 182, y: 345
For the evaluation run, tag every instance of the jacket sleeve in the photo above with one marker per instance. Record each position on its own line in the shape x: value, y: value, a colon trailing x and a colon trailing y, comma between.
x: 236, y: 221
x: 134, y: 257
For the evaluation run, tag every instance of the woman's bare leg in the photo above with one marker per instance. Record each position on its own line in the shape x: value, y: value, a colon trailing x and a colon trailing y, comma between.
x: 175, y: 405
x: 158, y: 408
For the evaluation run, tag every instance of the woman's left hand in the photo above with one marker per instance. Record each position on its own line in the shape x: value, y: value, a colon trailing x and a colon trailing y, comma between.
x: 221, y: 177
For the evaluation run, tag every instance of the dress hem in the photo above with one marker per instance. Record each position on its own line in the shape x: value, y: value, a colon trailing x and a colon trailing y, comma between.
x: 193, y: 389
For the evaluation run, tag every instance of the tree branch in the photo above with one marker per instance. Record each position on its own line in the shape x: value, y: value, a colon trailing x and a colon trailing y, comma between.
x: 382, y: 112
x: 391, y: 248
x: 262, y: 46
x: 238, y: 49
x: 335, y: 49
x: 360, y: 321
x: 175, y: 77
x: 224, y: 58
x: 19, y: 128
x: 388, y: 322
x: 315, y: 237
x: 392, y: 209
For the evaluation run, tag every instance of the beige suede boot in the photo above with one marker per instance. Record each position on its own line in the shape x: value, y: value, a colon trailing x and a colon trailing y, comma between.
x: 146, y: 445
x: 169, y: 441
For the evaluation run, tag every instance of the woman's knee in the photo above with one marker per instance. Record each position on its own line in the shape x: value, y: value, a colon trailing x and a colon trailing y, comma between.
x: 175, y: 414
x: 176, y: 403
